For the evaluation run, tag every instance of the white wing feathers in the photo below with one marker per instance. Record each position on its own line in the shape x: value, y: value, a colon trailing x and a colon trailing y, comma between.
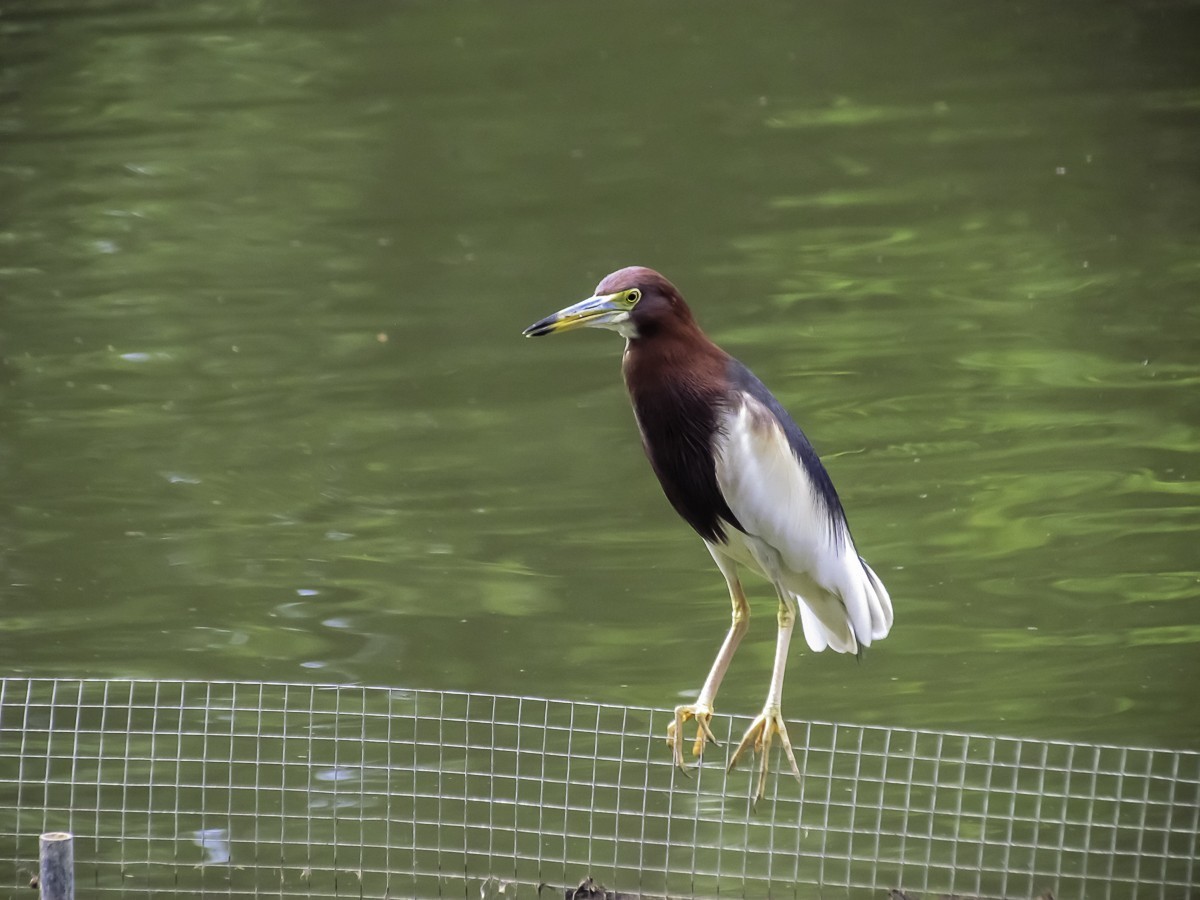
x: 790, y: 536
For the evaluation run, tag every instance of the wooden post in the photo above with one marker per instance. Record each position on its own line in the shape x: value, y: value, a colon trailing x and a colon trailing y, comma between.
x: 56, y: 869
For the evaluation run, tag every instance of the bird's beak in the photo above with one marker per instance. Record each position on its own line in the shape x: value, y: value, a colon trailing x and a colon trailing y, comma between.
x: 598, y: 312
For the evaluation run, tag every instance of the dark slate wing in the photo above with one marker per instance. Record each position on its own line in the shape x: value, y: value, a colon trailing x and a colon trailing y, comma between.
x: 744, y: 380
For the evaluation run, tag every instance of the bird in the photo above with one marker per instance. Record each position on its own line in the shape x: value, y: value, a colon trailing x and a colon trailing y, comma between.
x: 738, y: 469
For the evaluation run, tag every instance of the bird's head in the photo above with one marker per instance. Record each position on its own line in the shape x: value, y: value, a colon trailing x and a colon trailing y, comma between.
x: 634, y: 301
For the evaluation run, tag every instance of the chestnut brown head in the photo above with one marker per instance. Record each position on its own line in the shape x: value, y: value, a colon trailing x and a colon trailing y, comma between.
x: 634, y: 301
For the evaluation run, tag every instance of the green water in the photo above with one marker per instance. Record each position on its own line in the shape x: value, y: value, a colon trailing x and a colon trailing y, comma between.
x: 266, y: 413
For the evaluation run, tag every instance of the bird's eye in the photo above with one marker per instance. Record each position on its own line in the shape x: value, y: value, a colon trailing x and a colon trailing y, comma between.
x: 634, y: 296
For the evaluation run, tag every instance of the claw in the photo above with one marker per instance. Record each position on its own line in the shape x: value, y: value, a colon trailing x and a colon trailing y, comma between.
x: 758, y: 737
x: 702, y: 713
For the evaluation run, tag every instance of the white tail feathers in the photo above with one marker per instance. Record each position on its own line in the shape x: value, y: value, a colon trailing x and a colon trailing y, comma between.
x: 858, y: 612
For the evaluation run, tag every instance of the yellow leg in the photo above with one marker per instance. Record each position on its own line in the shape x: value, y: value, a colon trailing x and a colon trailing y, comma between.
x: 769, y: 722
x: 702, y: 709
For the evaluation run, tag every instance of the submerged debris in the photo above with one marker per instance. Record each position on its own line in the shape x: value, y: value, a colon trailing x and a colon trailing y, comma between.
x: 589, y: 889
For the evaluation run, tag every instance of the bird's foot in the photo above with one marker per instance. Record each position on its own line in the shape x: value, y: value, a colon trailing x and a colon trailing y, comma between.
x: 758, y: 737
x: 703, y: 714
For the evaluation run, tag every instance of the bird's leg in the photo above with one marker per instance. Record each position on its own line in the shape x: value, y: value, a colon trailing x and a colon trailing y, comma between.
x: 769, y: 722
x: 702, y: 709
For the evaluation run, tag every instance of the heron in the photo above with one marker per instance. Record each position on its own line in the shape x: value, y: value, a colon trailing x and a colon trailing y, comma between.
x: 738, y: 469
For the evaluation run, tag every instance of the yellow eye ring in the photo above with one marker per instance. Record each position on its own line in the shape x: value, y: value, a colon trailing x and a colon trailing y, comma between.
x: 634, y: 296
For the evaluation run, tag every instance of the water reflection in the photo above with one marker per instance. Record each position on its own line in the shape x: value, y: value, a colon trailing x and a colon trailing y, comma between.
x: 214, y: 842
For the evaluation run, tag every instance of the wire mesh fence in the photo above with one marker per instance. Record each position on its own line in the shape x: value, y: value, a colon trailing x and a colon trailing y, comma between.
x: 248, y: 789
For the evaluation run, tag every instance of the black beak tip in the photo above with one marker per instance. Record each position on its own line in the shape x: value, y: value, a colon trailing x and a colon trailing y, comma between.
x: 537, y: 329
